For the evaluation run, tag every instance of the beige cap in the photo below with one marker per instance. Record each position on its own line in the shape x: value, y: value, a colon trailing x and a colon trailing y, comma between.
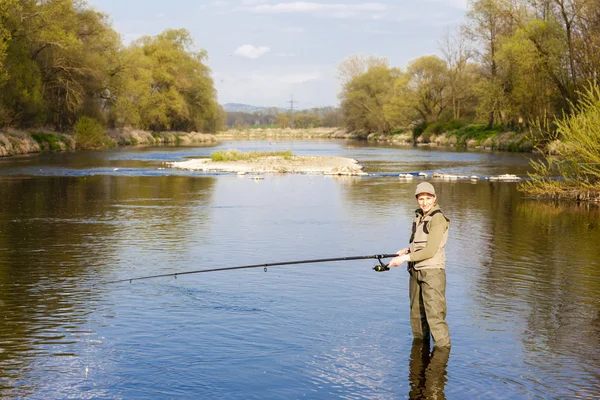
x: 425, y: 187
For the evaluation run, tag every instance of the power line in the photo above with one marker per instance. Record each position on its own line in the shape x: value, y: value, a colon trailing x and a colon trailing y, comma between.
x: 292, y: 111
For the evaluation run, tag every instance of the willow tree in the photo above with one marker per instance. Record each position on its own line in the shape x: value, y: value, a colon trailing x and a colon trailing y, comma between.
x: 364, y: 98
x: 55, y: 58
x: 166, y: 85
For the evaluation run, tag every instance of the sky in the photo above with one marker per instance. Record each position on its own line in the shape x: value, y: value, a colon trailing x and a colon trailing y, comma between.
x: 266, y: 52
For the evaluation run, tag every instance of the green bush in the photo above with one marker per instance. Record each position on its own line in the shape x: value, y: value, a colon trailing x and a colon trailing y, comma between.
x: 397, y: 131
x: 47, y: 141
x: 90, y: 134
x: 577, y: 160
x: 418, y: 129
x: 443, y: 126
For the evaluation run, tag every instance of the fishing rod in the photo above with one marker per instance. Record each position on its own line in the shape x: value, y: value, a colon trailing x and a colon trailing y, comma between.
x: 379, y: 268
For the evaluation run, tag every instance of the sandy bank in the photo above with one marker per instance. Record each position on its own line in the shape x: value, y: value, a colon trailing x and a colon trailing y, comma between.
x: 276, y: 164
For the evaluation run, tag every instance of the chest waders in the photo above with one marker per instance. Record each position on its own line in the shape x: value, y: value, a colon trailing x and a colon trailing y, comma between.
x: 427, y: 285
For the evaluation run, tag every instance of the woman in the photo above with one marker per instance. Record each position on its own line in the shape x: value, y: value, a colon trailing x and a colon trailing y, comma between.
x: 426, y: 259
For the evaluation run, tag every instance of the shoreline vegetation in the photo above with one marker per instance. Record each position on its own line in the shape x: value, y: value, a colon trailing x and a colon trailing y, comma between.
x: 17, y: 142
x: 573, y: 183
x: 471, y: 136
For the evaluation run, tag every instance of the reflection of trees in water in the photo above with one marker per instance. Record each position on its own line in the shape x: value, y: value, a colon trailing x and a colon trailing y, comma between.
x: 57, y: 235
x: 542, y: 257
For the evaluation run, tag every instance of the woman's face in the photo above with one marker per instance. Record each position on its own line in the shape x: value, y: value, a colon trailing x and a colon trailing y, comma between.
x: 426, y: 202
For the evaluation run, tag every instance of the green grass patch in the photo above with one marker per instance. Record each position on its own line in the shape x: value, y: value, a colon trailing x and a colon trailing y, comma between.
x: 236, y: 155
x: 443, y: 126
x: 477, y: 132
x: 178, y: 139
x: 397, y: 131
x: 47, y: 140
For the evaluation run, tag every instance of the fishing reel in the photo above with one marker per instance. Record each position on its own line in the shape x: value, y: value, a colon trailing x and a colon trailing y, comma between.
x: 381, y: 267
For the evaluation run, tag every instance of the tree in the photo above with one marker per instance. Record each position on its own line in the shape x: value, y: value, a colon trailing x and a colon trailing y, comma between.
x: 486, y: 24
x: 167, y: 85
x: 358, y: 64
x: 6, y: 8
x: 333, y: 118
x: 428, y: 80
x: 56, y: 59
x: 457, y: 54
x: 364, y: 98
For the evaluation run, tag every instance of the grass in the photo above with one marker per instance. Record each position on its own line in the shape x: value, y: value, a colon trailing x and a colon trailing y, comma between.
x: 47, y: 139
x: 477, y: 132
x: 236, y: 155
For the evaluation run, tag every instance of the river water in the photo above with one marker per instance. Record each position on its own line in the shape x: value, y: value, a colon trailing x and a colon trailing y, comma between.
x: 523, y: 280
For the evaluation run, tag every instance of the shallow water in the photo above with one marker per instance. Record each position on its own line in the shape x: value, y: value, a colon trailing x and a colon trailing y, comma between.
x: 523, y: 281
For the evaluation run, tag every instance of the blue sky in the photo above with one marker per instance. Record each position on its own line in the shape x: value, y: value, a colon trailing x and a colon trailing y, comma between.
x: 261, y: 52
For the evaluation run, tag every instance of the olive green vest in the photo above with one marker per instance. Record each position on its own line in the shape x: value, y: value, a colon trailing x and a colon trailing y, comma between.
x: 418, y: 240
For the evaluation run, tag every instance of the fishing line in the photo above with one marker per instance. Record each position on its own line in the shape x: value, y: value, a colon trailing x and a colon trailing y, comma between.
x: 379, y: 268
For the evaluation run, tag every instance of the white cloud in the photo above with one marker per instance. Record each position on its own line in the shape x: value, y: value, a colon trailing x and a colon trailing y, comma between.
x: 252, y: 52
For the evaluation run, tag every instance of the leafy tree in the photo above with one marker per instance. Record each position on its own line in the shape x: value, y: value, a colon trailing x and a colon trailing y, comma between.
x: 358, y: 64
x: 486, y: 24
x: 428, y: 76
x: 364, y: 98
x: 283, y: 120
x: 167, y: 85
x: 6, y: 8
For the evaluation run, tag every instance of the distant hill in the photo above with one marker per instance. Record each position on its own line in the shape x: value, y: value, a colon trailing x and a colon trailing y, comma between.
x: 237, y: 107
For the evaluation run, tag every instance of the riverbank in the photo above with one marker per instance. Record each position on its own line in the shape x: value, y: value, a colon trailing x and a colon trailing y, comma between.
x: 466, y: 138
x: 288, y: 133
x: 14, y: 142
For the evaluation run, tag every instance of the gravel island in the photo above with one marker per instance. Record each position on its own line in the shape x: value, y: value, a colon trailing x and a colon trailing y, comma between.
x: 326, y: 165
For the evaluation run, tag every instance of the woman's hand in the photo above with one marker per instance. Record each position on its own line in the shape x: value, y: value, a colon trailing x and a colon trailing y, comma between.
x: 396, y: 261
x: 402, y: 252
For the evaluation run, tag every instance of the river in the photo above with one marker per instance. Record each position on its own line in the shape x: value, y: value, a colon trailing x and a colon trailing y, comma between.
x: 523, y: 280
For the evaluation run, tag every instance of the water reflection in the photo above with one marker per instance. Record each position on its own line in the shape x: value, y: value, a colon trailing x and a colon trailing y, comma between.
x: 60, y: 235
x: 427, y: 371
x: 523, y: 287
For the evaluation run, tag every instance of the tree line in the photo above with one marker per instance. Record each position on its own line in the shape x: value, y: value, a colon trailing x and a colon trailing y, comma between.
x: 60, y: 60
x: 327, y: 117
x: 512, y: 64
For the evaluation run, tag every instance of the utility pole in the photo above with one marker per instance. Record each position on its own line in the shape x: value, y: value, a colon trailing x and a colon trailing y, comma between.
x: 292, y: 111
